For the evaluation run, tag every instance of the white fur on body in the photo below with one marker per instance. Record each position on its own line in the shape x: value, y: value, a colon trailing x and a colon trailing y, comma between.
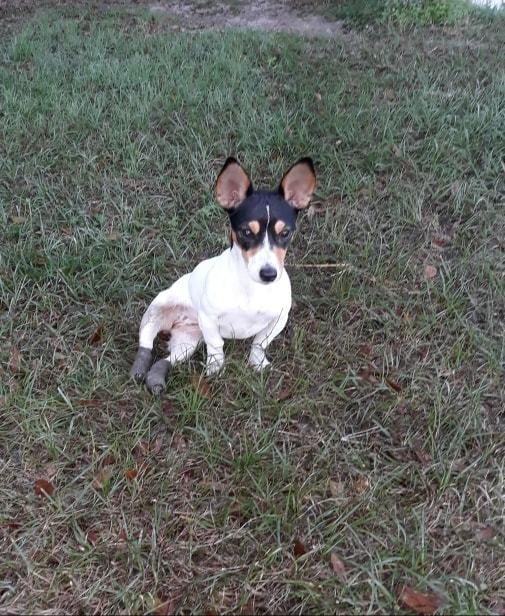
x: 220, y: 299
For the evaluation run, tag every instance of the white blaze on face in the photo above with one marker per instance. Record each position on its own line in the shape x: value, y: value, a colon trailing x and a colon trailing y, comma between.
x: 264, y: 256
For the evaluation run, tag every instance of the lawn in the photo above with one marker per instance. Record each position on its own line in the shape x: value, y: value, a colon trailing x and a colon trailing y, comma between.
x: 371, y: 457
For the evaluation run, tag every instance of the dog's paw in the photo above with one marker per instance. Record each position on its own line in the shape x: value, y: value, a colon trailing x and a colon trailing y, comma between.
x: 214, y: 364
x: 258, y: 361
x: 155, y: 379
x: 141, y: 364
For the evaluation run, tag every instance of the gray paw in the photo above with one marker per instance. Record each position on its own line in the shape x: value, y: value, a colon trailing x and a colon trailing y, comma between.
x: 141, y: 364
x: 155, y: 379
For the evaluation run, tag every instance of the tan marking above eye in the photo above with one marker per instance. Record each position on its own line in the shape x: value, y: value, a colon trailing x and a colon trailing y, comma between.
x: 279, y: 226
x: 254, y: 225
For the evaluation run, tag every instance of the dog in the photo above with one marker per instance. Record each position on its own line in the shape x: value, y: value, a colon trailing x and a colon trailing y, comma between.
x: 244, y: 292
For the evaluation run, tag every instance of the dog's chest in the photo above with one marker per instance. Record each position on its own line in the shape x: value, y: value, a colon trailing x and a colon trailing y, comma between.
x: 245, y: 320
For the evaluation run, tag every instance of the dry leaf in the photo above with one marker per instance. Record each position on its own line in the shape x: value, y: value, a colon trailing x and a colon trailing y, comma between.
x: 336, y: 488
x: 200, y: 385
x: 430, y: 272
x: 167, y: 407
x: 437, y: 241
x: 318, y: 96
x: 131, y: 474
x: 283, y: 394
x: 157, y: 444
x: 299, y: 548
x: 367, y: 375
x: 99, y: 480
x: 43, y: 487
x: 338, y: 566
x: 393, y: 385
x: 178, y: 442
x: 14, y: 357
x: 18, y: 220
x: 92, y: 537
x: 108, y: 460
x: 362, y: 483
x: 164, y: 607
x: 97, y: 335
x: 113, y: 236
x: 486, y: 533
x: 420, y: 602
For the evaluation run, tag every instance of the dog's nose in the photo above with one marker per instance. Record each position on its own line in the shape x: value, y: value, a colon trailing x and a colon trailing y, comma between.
x: 268, y: 273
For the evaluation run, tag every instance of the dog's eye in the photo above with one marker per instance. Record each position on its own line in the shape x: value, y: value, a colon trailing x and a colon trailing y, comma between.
x: 246, y: 232
x: 285, y: 233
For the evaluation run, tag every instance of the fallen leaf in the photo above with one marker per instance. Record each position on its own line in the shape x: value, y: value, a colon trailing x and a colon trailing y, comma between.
x: 131, y: 474
x: 167, y: 407
x: 420, y: 602
x: 200, y: 385
x: 113, y: 236
x: 97, y: 335
x: 283, y: 394
x: 318, y: 96
x: 89, y: 403
x: 422, y: 457
x: 362, y: 483
x: 157, y: 444
x: 43, y: 487
x: 437, y: 241
x: 430, y: 272
x: 486, y: 533
x: 92, y: 537
x: 99, y: 480
x: 395, y: 386
x: 178, y: 442
x: 108, y: 460
x: 14, y: 357
x: 299, y: 548
x: 336, y: 488
x: 18, y: 220
x: 141, y: 449
x: 367, y: 375
x: 164, y: 607
x: 121, y: 536
x: 338, y: 566
x: 365, y: 350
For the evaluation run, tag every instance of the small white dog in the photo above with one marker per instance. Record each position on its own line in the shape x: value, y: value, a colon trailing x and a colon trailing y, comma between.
x: 244, y: 292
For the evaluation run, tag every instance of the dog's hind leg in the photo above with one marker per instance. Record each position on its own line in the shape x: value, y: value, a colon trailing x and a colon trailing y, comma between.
x: 183, y: 342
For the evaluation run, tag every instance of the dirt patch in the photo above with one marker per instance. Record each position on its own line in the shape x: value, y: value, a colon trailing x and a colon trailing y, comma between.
x: 265, y: 15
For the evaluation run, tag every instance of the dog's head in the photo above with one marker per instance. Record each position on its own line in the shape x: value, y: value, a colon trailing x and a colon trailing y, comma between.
x: 262, y: 222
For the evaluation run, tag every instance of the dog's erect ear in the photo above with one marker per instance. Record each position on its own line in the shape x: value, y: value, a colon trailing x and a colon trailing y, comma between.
x: 299, y: 183
x: 232, y: 185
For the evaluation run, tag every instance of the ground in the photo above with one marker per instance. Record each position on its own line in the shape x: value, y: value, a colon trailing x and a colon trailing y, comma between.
x: 368, y: 463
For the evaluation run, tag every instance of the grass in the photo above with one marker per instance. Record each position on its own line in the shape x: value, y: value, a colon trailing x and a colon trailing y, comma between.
x: 379, y: 433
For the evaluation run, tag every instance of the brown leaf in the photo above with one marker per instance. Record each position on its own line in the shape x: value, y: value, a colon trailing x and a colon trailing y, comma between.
x: 336, y: 488
x: 367, y: 375
x: 108, y: 460
x: 141, y: 449
x: 284, y: 394
x: 430, y: 272
x: 89, y: 403
x: 437, y: 241
x: 178, y: 442
x: 131, y: 474
x: 14, y: 357
x: 362, y: 484
x: 299, y: 548
x: 421, y: 457
x: 43, y: 487
x: 200, y: 385
x: 99, y: 480
x: 420, y: 602
x: 164, y: 607
x: 365, y: 350
x: 121, y: 536
x: 395, y: 386
x: 96, y: 336
x: 167, y: 407
x: 338, y: 566
x: 486, y: 533
x: 157, y: 444
x: 18, y: 220
x: 92, y: 537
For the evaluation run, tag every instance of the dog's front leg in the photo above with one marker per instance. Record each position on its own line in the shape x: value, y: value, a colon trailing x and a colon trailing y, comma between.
x: 214, y: 343
x: 257, y: 358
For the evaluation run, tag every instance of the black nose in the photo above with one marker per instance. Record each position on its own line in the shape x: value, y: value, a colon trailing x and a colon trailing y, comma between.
x: 268, y: 273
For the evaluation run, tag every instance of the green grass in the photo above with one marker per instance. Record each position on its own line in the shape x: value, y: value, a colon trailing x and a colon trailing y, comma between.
x: 379, y: 432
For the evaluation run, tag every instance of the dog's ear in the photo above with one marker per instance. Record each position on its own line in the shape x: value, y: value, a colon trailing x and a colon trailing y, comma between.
x: 232, y: 185
x: 299, y: 183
